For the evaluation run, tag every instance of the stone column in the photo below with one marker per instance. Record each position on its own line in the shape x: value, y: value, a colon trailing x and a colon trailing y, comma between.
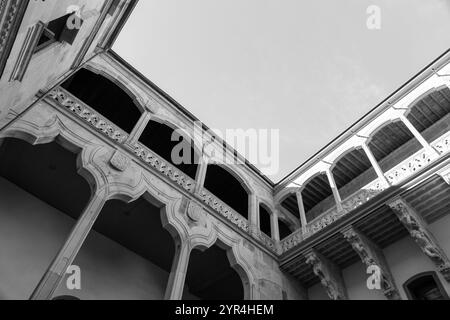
x: 201, y: 175
x: 372, y: 256
x: 55, y: 274
x: 418, y: 136
x: 253, y: 211
x: 139, y: 128
x: 301, y: 209
x: 418, y: 229
x: 375, y: 165
x: 337, y: 196
x: 275, y: 226
x: 329, y: 274
x: 177, y: 278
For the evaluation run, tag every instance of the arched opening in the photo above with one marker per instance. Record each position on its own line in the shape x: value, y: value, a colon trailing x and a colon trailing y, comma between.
x: 285, y: 231
x: 291, y: 205
x: 159, y: 138
x: 393, y: 143
x: 227, y: 188
x: 41, y: 198
x: 211, y: 277
x: 128, y: 255
x: 431, y: 114
x: 265, y: 223
x: 425, y: 286
x: 106, y: 97
x: 352, y: 172
x: 317, y: 197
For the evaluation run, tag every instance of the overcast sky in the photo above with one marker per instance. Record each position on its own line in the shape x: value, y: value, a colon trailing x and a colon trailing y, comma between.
x: 308, y: 68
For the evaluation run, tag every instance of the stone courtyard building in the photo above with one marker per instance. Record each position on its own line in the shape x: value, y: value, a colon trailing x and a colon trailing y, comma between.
x: 86, y: 180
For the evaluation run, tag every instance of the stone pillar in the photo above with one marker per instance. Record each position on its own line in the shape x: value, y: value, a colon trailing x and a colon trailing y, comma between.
x: 417, y: 228
x: 177, y: 278
x: 372, y: 255
x: 275, y: 226
x: 375, y: 165
x: 301, y: 209
x: 55, y: 274
x: 337, y: 196
x: 139, y: 128
x: 418, y: 136
x: 201, y: 175
x: 329, y: 274
x: 253, y: 211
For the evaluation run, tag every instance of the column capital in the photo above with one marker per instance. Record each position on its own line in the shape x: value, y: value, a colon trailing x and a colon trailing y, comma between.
x: 372, y: 255
x: 329, y: 274
x: 417, y: 229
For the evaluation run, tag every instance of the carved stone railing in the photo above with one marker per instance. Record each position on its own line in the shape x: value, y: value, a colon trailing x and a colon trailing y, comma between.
x: 162, y: 166
x: 88, y: 115
x: 154, y: 161
x: 399, y: 173
x: 292, y: 241
x: 268, y: 242
x: 224, y: 210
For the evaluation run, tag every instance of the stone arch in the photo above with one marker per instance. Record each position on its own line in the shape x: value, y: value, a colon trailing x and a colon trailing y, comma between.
x: 158, y: 136
x: 232, y: 245
x: 232, y: 189
x: 236, y: 174
x: 391, y: 143
x: 58, y: 132
x: 352, y: 170
x: 429, y: 113
x: 127, y: 111
x: 119, y: 81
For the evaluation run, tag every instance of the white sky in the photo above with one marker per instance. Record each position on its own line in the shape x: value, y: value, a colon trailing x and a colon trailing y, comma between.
x: 309, y: 68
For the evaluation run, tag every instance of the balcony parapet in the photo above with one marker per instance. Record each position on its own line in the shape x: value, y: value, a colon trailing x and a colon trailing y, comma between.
x: 396, y: 175
x: 224, y: 210
x: 88, y: 115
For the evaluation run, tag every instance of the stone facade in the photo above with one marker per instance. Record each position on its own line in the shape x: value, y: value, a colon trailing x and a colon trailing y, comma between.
x: 36, y: 108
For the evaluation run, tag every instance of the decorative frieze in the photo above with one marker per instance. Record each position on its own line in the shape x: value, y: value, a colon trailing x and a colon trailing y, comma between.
x: 329, y: 274
x: 224, y: 210
x: 164, y: 167
x: 87, y: 115
x: 372, y: 255
x: 424, y: 239
x: 11, y: 13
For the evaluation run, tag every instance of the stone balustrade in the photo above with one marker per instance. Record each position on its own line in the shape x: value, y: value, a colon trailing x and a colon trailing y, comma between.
x: 399, y: 173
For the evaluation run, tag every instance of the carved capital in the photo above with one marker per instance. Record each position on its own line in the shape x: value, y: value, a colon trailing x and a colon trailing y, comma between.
x: 329, y: 274
x: 372, y: 255
x: 417, y: 229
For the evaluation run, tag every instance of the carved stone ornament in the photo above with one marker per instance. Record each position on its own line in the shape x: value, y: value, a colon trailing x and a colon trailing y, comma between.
x: 120, y: 161
x: 329, y: 279
x: 372, y: 256
x: 422, y: 237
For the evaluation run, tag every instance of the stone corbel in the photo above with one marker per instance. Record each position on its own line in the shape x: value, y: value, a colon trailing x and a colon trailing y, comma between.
x: 329, y: 274
x: 372, y: 255
x: 417, y: 228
